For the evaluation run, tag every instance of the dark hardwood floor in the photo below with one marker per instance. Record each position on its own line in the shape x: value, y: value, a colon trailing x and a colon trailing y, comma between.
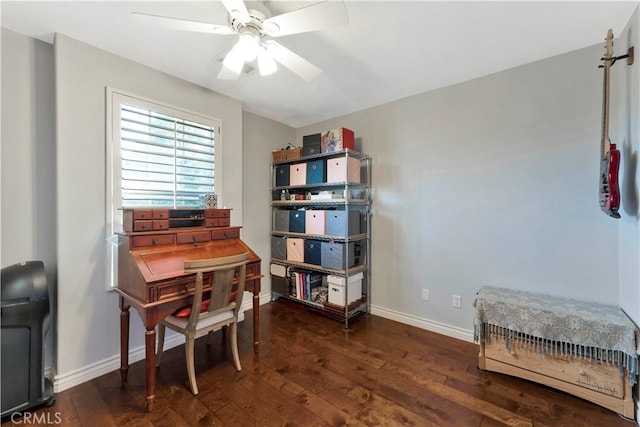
x: 310, y: 372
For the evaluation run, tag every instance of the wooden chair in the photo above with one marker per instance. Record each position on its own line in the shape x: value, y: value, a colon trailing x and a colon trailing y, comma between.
x: 222, y: 308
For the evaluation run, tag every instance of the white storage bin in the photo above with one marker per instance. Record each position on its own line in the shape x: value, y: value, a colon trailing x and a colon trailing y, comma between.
x: 337, y: 289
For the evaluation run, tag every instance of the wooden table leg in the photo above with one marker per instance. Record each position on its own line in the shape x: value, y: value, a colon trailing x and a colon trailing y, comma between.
x: 256, y: 320
x: 124, y: 340
x: 150, y: 366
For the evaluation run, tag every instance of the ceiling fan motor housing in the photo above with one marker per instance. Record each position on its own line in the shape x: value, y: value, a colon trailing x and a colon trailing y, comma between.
x: 255, y: 25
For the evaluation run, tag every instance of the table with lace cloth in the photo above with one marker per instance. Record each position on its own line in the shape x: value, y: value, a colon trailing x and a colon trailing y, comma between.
x: 560, y: 325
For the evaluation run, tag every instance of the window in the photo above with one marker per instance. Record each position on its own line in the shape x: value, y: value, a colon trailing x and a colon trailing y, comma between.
x: 157, y: 156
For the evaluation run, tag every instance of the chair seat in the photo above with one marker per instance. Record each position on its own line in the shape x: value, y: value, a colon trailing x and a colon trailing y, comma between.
x: 186, y: 310
x: 203, y: 323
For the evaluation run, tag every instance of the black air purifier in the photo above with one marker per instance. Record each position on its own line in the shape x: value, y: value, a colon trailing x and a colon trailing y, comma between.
x: 25, y: 320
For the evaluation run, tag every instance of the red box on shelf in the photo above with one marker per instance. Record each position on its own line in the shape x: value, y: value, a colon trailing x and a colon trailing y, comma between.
x: 337, y: 140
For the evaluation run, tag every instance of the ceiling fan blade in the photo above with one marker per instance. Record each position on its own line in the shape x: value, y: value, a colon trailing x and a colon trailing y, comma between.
x: 237, y: 9
x: 183, y: 24
x: 311, y: 18
x: 303, y: 68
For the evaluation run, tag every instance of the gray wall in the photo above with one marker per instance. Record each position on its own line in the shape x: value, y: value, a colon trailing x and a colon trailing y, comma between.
x: 88, y: 321
x: 260, y: 136
x: 488, y: 182
x: 28, y: 147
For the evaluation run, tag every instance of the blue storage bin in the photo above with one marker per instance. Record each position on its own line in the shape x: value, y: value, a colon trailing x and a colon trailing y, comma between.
x: 332, y: 255
x: 316, y: 172
x: 297, y: 221
x: 282, y: 175
x: 312, y: 251
x: 336, y: 223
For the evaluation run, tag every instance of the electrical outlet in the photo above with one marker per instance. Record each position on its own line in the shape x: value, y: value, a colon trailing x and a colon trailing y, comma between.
x: 425, y: 295
x: 457, y: 301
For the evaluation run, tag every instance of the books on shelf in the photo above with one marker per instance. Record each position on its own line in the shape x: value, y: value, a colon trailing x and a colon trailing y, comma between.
x: 309, y: 286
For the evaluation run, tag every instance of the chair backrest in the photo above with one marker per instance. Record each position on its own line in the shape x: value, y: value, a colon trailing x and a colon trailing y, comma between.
x: 223, y: 269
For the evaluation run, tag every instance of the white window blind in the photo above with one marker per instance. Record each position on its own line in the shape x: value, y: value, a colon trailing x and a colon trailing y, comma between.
x: 165, y: 160
x: 157, y: 156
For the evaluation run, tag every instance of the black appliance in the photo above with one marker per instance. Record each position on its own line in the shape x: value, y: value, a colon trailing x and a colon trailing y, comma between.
x: 25, y: 316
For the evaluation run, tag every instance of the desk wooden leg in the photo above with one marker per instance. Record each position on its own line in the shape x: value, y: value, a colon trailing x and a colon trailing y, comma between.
x: 150, y: 366
x: 124, y: 340
x: 256, y: 321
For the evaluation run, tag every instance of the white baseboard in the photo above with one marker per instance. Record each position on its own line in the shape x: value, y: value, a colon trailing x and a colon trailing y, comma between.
x: 87, y: 373
x: 419, y: 322
x: 70, y: 379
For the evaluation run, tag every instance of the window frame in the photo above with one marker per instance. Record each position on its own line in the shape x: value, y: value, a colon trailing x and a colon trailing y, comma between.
x: 113, y: 194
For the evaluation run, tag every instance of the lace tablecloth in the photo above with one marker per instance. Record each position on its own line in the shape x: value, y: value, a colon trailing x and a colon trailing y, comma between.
x: 558, y: 325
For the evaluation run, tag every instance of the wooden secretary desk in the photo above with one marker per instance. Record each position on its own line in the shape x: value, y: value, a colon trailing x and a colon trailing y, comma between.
x: 152, y: 250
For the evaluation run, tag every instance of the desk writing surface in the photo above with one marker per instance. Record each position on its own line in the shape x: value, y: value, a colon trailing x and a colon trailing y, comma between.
x: 161, y: 263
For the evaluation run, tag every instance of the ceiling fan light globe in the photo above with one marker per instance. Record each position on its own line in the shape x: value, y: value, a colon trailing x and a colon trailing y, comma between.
x: 233, y: 61
x: 266, y: 64
x: 248, y: 45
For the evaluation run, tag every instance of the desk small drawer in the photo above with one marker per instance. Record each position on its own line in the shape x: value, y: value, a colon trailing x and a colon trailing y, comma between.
x: 218, y: 213
x: 160, y: 214
x: 197, y: 237
x: 212, y: 222
x: 233, y: 233
x: 160, y: 224
x: 153, y: 240
x: 143, y: 225
x: 142, y: 214
x: 217, y: 222
x: 174, y: 288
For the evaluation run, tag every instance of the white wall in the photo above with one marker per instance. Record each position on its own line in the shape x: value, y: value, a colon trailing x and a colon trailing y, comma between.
x: 28, y: 216
x: 489, y: 182
x: 626, y: 131
x: 88, y: 320
x: 260, y: 137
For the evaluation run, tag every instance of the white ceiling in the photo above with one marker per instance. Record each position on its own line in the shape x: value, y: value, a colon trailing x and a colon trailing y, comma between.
x: 387, y: 51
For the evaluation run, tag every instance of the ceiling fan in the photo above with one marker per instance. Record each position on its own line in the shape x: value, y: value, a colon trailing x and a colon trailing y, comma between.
x: 255, y: 29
